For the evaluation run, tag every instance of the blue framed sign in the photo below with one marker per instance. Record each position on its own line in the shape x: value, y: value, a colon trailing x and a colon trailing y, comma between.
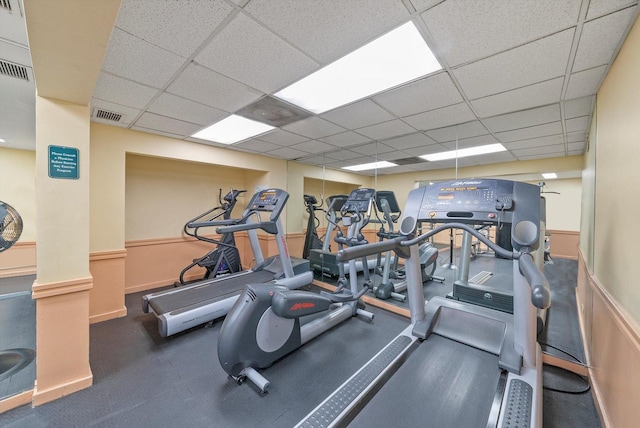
x: 63, y: 162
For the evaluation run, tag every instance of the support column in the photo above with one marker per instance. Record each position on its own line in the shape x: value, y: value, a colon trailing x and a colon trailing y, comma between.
x: 62, y: 235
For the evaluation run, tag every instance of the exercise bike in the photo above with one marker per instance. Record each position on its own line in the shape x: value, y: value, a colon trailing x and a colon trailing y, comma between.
x: 225, y: 258
x: 311, y: 239
x: 268, y: 322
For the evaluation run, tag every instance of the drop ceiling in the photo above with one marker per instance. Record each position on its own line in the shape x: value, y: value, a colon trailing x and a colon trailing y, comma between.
x: 522, y: 73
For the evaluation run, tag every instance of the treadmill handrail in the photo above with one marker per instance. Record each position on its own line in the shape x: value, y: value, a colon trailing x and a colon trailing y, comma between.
x: 540, y: 292
x: 267, y: 226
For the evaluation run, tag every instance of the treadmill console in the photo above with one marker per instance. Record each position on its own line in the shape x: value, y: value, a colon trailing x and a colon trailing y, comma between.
x: 269, y: 200
x: 478, y: 202
x: 359, y: 201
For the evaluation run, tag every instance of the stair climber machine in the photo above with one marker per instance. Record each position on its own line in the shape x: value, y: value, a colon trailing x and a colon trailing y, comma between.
x: 267, y: 323
x: 393, y: 278
x: 457, y: 364
x: 194, y: 304
x: 225, y: 258
x: 311, y: 238
x: 323, y: 260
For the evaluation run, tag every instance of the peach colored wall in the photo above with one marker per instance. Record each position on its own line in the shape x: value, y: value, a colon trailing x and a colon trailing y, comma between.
x: 19, y: 260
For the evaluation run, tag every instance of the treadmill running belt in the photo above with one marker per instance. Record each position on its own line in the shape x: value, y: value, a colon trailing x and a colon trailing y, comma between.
x: 442, y: 384
x: 208, y: 293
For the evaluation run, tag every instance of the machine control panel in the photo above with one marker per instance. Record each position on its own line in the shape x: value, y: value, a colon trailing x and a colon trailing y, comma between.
x: 394, y: 207
x: 269, y: 200
x: 359, y: 201
x: 478, y: 201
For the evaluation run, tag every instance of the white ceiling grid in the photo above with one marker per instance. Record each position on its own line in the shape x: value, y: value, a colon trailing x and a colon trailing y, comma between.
x: 522, y: 73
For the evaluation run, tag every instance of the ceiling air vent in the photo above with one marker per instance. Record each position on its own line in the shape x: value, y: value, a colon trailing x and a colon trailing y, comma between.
x: 13, y: 70
x: 5, y: 4
x: 108, y: 115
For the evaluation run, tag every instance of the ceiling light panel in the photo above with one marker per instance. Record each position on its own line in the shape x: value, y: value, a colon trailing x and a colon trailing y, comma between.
x: 372, y: 165
x: 232, y: 129
x: 395, y: 58
x: 470, y: 151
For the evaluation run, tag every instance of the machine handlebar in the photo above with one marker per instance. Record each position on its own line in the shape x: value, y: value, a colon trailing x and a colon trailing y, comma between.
x: 540, y: 294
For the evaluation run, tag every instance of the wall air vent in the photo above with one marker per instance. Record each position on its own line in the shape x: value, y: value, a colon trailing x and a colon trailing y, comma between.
x: 108, y: 115
x: 6, y: 4
x: 13, y: 70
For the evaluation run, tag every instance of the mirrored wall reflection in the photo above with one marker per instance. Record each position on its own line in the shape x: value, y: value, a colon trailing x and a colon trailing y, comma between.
x: 17, y: 335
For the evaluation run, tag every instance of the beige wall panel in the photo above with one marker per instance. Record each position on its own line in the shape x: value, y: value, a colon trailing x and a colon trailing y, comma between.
x: 564, y: 244
x: 618, y: 150
x: 19, y: 260
x: 106, y: 299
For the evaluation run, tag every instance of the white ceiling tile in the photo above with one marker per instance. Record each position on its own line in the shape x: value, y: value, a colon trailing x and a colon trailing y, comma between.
x: 530, y: 132
x: 167, y: 124
x: 187, y: 110
x: 257, y: 146
x: 551, y: 140
x: 599, y: 7
x: 578, y: 107
x: 157, y: 132
x: 463, y: 143
x: 466, y: 31
x: 177, y: 27
x: 573, y: 137
x: 132, y: 58
x: 286, y: 153
x: 493, y: 158
x: 327, y: 32
x: 600, y: 38
x: 425, y: 94
x: 358, y: 115
x: 388, y: 129
x: 122, y: 91
x: 463, y: 130
x: 577, y: 146
x: 314, y: 146
x: 314, y: 127
x: 321, y: 159
x: 417, y: 139
x: 345, y: 155
x: 128, y: 113
x: 539, y: 151
x: 586, y: 82
x: 520, y: 99
x: 575, y: 152
x: 345, y: 139
x: 372, y: 149
x: 244, y: 46
x: 210, y: 88
x: 578, y: 124
x: 445, y: 116
x: 534, y: 62
x: 422, y: 5
x: 283, y: 138
x: 427, y: 150
x: 524, y: 118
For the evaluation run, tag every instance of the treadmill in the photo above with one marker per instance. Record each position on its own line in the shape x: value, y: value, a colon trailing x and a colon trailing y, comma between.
x: 457, y: 364
x: 181, y: 308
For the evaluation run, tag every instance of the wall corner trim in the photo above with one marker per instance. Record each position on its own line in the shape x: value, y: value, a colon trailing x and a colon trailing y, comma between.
x: 59, y: 391
x: 61, y: 287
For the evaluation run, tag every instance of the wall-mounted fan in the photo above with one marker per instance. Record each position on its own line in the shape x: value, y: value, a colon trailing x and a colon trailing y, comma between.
x: 10, y: 226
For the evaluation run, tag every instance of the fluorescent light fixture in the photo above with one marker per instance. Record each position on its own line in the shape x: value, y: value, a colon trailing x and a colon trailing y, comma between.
x: 232, y: 129
x: 462, y: 153
x: 392, y: 59
x: 372, y: 165
x: 549, y: 175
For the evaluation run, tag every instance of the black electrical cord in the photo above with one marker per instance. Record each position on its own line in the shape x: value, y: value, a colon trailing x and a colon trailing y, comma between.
x: 587, y: 388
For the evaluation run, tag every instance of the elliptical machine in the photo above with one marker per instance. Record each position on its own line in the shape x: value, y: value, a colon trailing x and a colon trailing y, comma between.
x: 225, y: 258
x: 268, y: 322
x: 387, y: 203
x: 311, y: 238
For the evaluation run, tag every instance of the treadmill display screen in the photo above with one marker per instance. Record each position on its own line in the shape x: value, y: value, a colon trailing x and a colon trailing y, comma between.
x: 266, y: 200
x: 359, y: 201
